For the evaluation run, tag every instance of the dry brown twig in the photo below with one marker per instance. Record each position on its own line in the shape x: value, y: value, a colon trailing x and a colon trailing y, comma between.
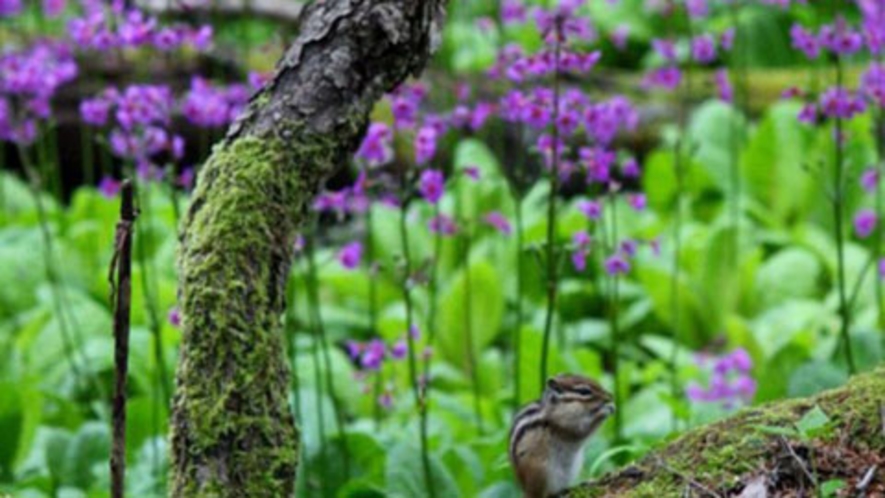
x: 121, y: 300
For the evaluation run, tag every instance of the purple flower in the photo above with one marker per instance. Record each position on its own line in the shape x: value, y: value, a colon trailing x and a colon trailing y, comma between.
x: 865, y: 222
x: 186, y: 179
x: 619, y: 37
x: 808, y: 114
x: 617, y: 265
x: 703, y: 49
x: 581, y: 241
x: 376, y: 148
x: 598, y: 162
x: 432, y: 185
x: 591, y: 209
x: 869, y: 180
x: 630, y: 168
x: 729, y: 383
x: 373, y: 354
x: 723, y: 86
x: 873, y: 84
x: 175, y: 316
x: 95, y: 111
x: 398, y: 351
x: 882, y: 268
x: 350, y: 255
x: 697, y: 9
x: 838, y: 102
x: 425, y: 144
x: 109, y: 187
x: 667, y: 78
x: 628, y: 248
x: 579, y: 259
x: 805, y: 41
x: 665, y: 48
x: 415, y: 332
x: 497, y: 221
x: 205, y: 105
x: 442, y: 225
x: 9, y: 8
x: 840, y: 39
x: 354, y: 349
x: 53, y: 8
x: 637, y: 201
x: 726, y: 41
x: 385, y: 399
x: 512, y: 12
x: 404, y: 104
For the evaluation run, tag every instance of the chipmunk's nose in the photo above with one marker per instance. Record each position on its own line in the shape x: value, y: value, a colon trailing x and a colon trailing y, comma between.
x: 609, y: 408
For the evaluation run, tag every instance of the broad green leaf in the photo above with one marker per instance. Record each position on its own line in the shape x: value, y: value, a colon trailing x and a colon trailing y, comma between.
x: 792, y: 273
x: 405, y: 474
x: 774, y: 161
x: 89, y: 446
x: 814, y: 377
x: 470, y: 313
x: 716, y: 132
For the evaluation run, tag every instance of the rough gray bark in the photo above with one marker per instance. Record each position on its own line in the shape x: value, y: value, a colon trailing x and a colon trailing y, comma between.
x: 232, y: 431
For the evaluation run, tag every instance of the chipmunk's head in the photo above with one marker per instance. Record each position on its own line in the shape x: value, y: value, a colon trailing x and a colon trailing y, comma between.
x: 577, y: 404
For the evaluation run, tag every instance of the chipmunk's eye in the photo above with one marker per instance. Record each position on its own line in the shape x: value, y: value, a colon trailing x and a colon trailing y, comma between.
x: 584, y: 391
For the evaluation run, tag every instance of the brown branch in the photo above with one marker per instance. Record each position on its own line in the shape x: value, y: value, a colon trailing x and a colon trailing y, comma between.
x: 121, y: 300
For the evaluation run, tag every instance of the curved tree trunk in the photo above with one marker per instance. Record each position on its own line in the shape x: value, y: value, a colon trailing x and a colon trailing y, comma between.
x: 232, y: 430
x: 785, y: 448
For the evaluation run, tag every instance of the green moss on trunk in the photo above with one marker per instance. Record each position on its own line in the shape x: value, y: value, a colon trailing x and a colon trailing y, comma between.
x: 233, y: 432
x: 724, y: 455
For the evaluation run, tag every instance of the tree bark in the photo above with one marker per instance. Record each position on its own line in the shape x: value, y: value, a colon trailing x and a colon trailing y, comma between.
x: 233, y: 433
x: 759, y: 452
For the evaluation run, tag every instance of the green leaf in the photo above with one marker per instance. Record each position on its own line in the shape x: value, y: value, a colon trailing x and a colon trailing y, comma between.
x: 829, y: 488
x: 814, y: 377
x: 715, y: 131
x: 89, y: 446
x: 405, y: 474
x: 471, y: 309
x: 773, y: 164
x: 792, y: 273
x: 813, y: 422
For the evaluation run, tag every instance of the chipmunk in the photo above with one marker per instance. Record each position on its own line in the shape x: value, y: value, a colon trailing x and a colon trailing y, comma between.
x: 547, y: 437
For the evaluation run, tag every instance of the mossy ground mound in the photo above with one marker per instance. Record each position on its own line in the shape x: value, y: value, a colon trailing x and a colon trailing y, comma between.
x: 760, y: 446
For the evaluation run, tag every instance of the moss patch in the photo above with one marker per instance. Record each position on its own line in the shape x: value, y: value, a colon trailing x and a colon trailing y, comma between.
x: 724, y: 456
x: 232, y: 430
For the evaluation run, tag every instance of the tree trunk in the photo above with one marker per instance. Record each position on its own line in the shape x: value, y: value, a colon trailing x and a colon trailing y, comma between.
x: 760, y: 452
x: 233, y: 433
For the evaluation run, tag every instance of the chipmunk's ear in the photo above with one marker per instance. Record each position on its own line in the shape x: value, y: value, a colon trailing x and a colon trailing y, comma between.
x: 553, y: 385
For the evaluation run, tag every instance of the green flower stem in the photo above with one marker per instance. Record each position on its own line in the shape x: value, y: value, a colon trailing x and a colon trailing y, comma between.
x: 433, y: 287
x: 373, y: 310
x: 614, y: 323
x: 70, y: 344
x: 323, y: 345
x: 551, y: 248
x: 410, y: 320
x: 517, y: 328
x: 838, y: 202
x: 679, y: 160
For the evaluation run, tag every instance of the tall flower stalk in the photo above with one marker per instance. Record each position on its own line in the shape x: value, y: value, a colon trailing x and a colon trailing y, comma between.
x: 407, y: 282
x: 552, y: 256
x: 322, y: 344
x: 838, y: 205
